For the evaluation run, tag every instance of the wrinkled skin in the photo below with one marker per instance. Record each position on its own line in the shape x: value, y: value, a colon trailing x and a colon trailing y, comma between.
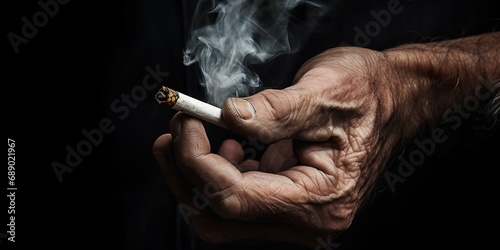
x: 329, y: 136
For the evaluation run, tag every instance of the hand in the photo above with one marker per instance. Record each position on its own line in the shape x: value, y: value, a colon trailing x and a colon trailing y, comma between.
x: 333, y: 121
x: 329, y: 135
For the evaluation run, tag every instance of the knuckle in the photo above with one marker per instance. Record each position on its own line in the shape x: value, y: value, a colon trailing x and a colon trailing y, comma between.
x: 282, y: 106
x: 272, y: 100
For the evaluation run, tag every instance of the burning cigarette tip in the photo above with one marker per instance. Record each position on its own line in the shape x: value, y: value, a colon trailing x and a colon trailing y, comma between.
x: 190, y: 106
x: 167, y: 96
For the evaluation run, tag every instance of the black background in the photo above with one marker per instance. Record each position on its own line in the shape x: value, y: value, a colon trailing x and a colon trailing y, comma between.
x: 65, y: 79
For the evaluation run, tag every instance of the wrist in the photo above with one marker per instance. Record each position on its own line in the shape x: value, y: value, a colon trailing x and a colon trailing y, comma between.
x: 428, y: 79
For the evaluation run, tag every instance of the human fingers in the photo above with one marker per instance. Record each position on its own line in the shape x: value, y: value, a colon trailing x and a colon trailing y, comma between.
x: 278, y: 157
x: 291, y: 197
x: 232, y: 151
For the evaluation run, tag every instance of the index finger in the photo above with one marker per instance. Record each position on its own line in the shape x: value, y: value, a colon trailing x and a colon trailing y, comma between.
x: 207, y: 171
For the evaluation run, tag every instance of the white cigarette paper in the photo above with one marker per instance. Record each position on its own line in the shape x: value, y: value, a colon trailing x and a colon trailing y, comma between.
x: 190, y: 106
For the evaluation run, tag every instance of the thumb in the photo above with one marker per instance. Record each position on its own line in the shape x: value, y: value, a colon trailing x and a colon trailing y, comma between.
x: 273, y: 115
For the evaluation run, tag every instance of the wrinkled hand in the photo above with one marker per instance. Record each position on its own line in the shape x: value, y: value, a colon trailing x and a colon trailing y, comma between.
x: 329, y: 136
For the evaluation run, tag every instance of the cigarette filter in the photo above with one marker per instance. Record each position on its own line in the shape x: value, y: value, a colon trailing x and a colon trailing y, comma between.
x: 190, y: 105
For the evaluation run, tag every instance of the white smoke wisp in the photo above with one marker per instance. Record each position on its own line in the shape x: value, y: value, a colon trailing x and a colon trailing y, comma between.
x: 228, y: 36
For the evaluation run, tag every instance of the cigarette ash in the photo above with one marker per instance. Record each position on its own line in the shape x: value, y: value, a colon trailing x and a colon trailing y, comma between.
x: 167, y: 96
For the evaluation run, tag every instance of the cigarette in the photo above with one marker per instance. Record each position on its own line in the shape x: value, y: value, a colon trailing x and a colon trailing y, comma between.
x: 190, y: 105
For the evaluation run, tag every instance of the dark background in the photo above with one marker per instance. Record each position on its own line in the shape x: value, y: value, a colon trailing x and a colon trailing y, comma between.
x: 65, y: 79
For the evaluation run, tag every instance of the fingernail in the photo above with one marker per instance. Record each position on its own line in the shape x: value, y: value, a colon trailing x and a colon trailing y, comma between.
x: 245, y: 109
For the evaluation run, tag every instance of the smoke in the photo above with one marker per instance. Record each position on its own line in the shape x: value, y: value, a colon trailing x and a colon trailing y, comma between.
x: 228, y: 36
